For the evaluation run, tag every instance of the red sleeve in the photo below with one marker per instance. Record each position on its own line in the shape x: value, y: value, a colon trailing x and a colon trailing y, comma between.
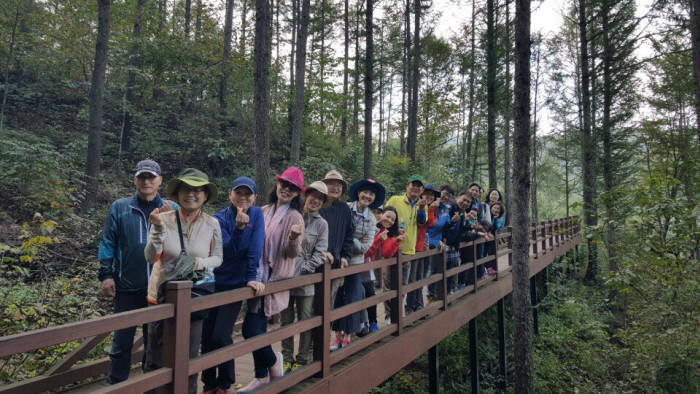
x: 431, y: 217
x: 376, y: 244
x: 390, y: 247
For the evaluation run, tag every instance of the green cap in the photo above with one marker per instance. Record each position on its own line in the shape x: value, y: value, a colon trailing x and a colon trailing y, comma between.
x: 416, y: 178
x: 194, y: 178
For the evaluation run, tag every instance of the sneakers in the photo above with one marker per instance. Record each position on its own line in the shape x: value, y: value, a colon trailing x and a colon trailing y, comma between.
x: 373, y: 327
x: 337, y: 344
x: 290, y: 367
x: 364, y: 331
x: 277, y: 370
x: 253, y: 385
x: 491, y: 272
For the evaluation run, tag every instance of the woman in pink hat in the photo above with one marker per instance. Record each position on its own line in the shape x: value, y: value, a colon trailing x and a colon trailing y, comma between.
x: 284, y: 228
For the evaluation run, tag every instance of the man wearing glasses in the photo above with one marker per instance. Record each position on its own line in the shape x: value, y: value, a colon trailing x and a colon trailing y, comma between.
x: 123, y: 269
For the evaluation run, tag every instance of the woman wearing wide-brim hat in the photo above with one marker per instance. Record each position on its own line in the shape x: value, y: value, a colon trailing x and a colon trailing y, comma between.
x: 365, y: 195
x: 201, y: 239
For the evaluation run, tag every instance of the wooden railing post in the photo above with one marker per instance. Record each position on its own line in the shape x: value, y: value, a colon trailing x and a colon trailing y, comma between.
x: 475, y: 267
x: 544, y: 237
x: 176, y: 334
x: 322, y: 334
x: 534, y: 240
x: 550, y: 234
x: 396, y: 279
x: 510, y: 246
x: 559, y: 223
x: 442, y: 284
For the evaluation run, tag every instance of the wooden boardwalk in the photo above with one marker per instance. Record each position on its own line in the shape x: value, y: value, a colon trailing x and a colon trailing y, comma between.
x: 245, y: 368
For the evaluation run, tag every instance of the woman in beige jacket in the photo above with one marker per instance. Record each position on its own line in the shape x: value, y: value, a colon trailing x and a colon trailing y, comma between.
x: 201, y: 236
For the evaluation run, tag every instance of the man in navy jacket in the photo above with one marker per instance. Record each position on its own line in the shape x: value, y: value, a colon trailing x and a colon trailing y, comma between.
x: 243, y: 235
x: 123, y: 268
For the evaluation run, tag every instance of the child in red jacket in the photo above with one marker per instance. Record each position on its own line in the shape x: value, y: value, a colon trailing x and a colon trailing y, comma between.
x: 387, y: 242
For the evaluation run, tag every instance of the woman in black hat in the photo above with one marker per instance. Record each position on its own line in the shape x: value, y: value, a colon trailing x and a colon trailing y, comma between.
x: 365, y: 195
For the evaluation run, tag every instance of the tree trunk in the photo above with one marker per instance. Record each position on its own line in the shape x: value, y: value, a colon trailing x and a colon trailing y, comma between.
x: 491, y: 92
x: 381, y: 90
x: 302, y: 35
x: 507, y: 181
x: 472, y: 78
x: 134, y: 63
x: 225, y: 66
x: 292, y: 63
x: 188, y: 18
x: 695, y: 30
x: 8, y: 64
x: 198, y: 21
x: 278, y: 60
x: 588, y: 159
x: 261, y: 96
x: 244, y: 26
x: 346, y: 44
x: 405, y: 80
x: 95, y: 100
x: 535, y: 125
x: 608, y: 176
x: 356, y: 77
x: 369, y: 59
x: 322, y: 64
x: 567, y: 189
x: 415, y: 85
x: 475, y: 156
x: 521, y: 221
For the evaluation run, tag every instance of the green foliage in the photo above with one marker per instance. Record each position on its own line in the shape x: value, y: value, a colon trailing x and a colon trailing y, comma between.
x: 38, y: 176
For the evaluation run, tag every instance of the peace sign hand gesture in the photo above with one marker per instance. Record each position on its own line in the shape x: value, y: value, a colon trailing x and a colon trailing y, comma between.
x: 242, y: 219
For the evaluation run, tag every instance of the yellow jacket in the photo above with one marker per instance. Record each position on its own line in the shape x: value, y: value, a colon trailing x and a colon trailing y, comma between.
x: 411, y: 217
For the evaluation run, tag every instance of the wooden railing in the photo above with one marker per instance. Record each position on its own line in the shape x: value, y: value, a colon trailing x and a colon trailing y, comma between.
x: 549, y: 239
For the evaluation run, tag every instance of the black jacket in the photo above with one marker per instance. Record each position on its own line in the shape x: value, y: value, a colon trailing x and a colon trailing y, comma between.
x: 340, y: 231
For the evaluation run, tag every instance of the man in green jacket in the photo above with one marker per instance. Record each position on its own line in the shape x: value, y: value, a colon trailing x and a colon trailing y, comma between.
x: 411, y: 210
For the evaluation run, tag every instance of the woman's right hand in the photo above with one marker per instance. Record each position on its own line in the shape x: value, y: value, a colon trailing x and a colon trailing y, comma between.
x: 258, y: 287
x: 155, y: 217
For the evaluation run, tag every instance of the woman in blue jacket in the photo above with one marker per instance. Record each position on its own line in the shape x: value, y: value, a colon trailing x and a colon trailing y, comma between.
x: 243, y: 233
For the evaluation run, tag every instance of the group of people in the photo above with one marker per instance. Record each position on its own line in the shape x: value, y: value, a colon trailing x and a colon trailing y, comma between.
x: 148, y: 241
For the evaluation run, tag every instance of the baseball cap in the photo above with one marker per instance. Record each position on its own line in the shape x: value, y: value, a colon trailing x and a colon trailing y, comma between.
x: 148, y: 166
x: 416, y: 178
x: 243, y: 181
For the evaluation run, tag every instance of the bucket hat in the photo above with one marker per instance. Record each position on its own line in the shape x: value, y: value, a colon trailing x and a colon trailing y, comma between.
x: 368, y: 184
x: 335, y: 175
x: 194, y: 178
x: 320, y: 187
x: 294, y: 176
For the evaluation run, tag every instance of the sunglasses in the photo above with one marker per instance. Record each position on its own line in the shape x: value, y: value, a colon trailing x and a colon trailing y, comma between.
x: 288, y: 185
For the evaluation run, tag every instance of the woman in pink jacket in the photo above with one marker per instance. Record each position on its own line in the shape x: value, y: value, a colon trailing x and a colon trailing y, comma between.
x: 284, y: 227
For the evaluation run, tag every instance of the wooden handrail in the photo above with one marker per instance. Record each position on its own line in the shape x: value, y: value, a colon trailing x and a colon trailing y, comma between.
x: 44, y: 337
x: 547, y: 238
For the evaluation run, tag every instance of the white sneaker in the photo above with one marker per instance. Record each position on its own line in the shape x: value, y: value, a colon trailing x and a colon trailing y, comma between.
x: 277, y: 371
x: 253, y: 385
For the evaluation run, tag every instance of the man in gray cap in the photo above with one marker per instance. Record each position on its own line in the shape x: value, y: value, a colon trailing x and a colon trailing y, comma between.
x: 123, y: 269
